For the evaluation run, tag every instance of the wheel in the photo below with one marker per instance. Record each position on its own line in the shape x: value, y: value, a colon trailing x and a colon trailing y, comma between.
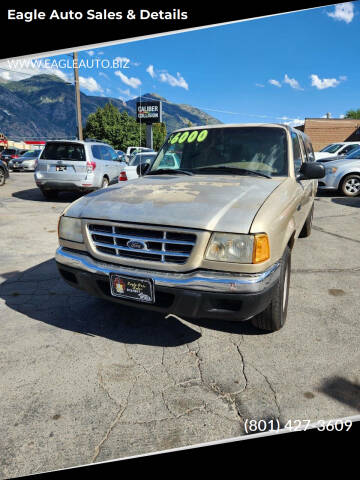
x: 104, y: 183
x: 49, y: 194
x: 274, y: 316
x: 2, y: 177
x: 350, y: 186
x: 306, y: 230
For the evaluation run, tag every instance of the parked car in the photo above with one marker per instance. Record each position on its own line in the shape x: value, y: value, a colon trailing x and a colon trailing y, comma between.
x: 342, y: 174
x: 337, y: 149
x: 130, y: 151
x: 26, y: 162
x: 76, y: 166
x: 121, y: 155
x: 8, y: 154
x: 4, y: 173
x: 130, y: 171
x: 210, y: 239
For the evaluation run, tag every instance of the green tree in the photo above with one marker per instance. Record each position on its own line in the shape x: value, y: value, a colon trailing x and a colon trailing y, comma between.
x: 159, y: 135
x: 353, y: 114
x: 117, y: 128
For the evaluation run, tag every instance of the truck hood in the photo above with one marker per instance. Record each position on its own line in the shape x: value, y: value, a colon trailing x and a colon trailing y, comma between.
x: 216, y: 203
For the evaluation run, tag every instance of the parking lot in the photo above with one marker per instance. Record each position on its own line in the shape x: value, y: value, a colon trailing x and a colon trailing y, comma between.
x: 84, y: 380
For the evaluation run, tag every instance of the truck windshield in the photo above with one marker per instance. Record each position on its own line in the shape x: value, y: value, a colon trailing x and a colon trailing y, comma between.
x: 256, y: 149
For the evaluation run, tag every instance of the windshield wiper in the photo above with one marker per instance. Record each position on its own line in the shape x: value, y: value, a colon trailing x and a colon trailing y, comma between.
x: 237, y: 171
x: 164, y: 171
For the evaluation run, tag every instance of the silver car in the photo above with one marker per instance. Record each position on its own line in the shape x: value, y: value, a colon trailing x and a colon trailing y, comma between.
x: 73, y: 165
x: 26, y: 162
x: 342, y: 173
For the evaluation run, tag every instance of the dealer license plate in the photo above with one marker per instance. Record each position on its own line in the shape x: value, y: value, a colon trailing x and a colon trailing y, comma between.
x: 139, y: 289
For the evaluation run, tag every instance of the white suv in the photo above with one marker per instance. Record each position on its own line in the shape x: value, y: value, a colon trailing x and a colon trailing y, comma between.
x: 73, y: 165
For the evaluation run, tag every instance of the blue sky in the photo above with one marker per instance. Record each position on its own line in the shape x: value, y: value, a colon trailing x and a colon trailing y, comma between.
x: 280, y: 68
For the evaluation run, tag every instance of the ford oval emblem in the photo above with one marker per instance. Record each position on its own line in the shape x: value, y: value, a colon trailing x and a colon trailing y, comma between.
x: 136, y: 244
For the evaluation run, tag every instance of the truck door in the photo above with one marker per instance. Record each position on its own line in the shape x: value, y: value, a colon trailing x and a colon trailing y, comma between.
x: 304, y: 187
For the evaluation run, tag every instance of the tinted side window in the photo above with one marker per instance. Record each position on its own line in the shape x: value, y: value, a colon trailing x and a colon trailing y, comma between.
x: 105, y: 152
x: 309, y: 150
x: 114, y: 155
x: 297, y: 152
x: 96, y: 152
x: 348, y: 149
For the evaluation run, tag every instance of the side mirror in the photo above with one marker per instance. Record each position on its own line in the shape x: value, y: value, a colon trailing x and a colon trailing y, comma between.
x: 310, y: 171
x: 142, y: 169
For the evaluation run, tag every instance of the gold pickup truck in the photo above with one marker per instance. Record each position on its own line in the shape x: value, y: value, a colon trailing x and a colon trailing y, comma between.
x: 208, y: 234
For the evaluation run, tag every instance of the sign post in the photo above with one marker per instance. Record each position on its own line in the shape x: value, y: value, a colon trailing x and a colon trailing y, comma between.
x: 149, y: 113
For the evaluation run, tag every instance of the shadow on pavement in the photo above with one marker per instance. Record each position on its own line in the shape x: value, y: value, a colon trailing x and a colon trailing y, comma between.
x: 41, y: 294
x: 342, y: 390
x: 347, y: 201
x: 34, y: 195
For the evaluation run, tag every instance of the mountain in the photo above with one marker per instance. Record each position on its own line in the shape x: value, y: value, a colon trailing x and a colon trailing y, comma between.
x: 44, y: 106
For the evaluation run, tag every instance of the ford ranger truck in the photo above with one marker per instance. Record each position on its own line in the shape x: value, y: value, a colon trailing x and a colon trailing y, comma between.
x: 211, y: 238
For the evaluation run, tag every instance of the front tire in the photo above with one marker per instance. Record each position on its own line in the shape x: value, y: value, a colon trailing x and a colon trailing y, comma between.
x: 350, y: 186
x: 2, y: 177
x: 274, y: 316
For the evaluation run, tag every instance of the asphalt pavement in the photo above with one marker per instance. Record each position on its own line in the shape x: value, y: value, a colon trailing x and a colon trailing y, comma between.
x: 84, y: 380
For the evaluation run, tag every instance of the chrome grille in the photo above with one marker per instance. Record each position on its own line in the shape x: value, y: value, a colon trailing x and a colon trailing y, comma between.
x: 165, y: 246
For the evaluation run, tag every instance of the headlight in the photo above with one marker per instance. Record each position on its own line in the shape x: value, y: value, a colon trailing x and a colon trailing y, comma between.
x: 70, y: 229
x: 331, y: 170
x: 226, y: 247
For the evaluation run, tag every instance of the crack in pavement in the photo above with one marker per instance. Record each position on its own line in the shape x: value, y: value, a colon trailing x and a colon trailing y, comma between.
x: 112, y: 426
x: 322, y: 230
x: 325, y: 270
x: 271, y: 388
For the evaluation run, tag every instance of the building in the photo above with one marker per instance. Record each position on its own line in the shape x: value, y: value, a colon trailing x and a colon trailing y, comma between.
x: 22, y: 144
x: 323, y: 131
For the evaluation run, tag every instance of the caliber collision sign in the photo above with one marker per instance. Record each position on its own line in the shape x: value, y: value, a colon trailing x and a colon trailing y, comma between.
x: 149, y: 112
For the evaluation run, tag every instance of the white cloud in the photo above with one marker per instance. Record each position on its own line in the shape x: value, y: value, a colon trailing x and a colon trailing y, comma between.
x: 275, y: 83
x: 90, y: 52
x: 343, y: 12
x: 293, y: 122
x: 165, y: 77
x: 90, y: 84
x: 178, y: 81
x: 151, y: 71
x: 321, y: 84
x: 259, y: 85
x: 132, y: 82
x: 292, y: 82
x: 102, y: 74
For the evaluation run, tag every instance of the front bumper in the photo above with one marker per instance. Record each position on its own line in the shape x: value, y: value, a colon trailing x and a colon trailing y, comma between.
x: 329, y: 182
x: 198, y: 294
x: 71, y: 186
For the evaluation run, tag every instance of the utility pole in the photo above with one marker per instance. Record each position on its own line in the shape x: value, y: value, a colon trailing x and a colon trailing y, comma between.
x: 77, y: 96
